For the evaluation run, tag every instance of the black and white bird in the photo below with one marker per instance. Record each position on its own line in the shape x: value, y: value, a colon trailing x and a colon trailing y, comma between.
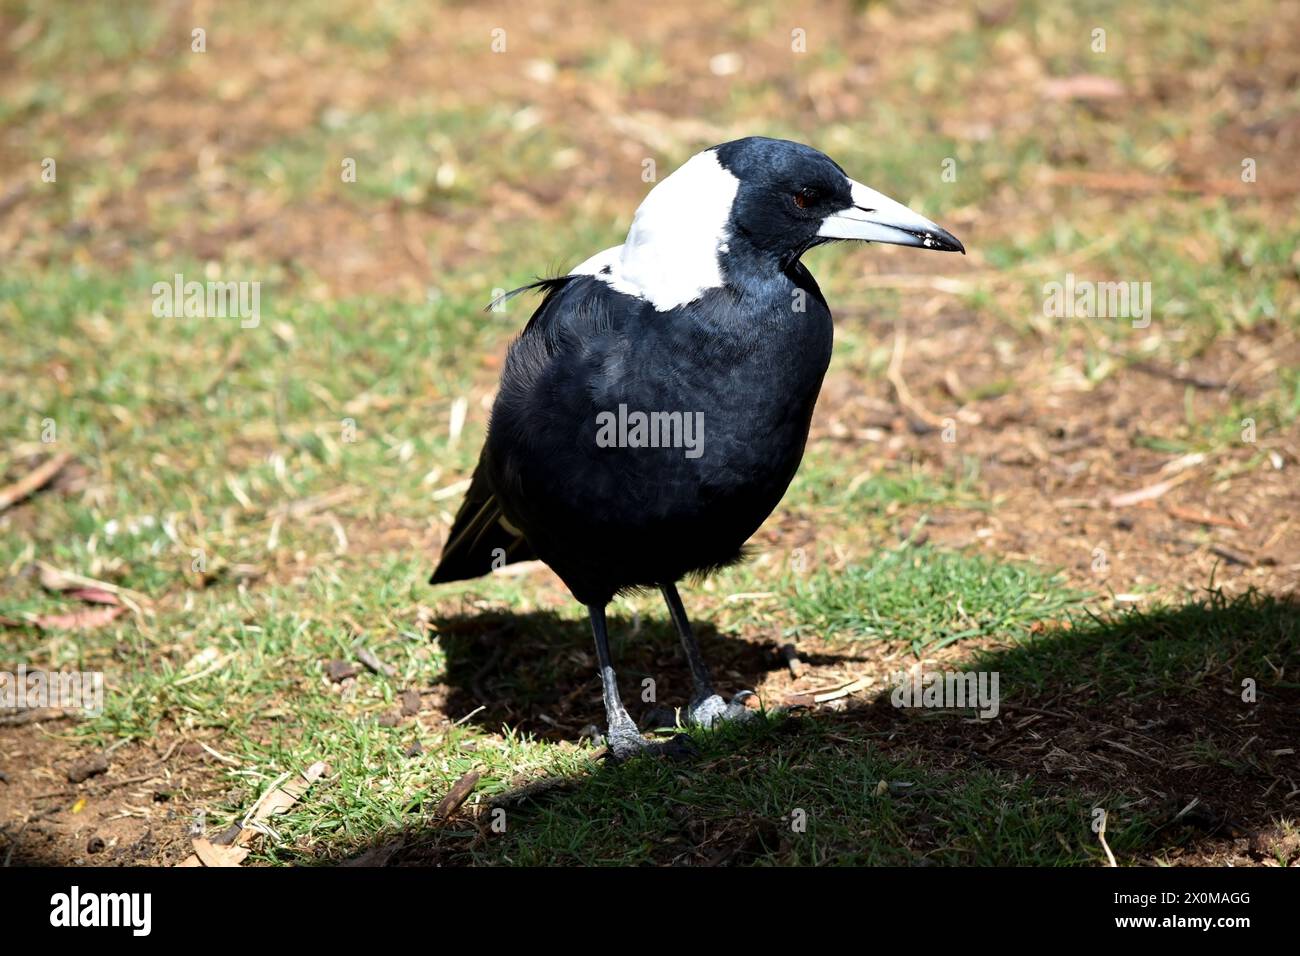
x: 655, y: 408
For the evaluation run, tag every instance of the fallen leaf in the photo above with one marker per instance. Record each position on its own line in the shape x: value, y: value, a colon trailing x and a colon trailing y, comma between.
x: 1202, y: 517
x: 1083, y: 86
x: 94, y: 596
x: 1151, y: 492
x: 60, y: 581
x: 34, y: 480
x: 216, y: 855
x: 86, y: 620
x: 286, y: 795
x: 277, y: 800
x: 458, y: 794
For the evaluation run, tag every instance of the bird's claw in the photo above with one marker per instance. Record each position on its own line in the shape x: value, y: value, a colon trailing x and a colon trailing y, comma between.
x: 712, y: 711
x: 625, y: 742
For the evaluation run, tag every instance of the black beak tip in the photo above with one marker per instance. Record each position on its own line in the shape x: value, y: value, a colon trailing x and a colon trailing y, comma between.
x: 941, y: 240
x: 950, y: 243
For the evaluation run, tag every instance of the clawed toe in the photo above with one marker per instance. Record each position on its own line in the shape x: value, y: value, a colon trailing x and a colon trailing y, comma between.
x: 676, y: 747
x: 738, y: 709
x: 712, y: 711
x: 658, y: 717
x: 624, y: 743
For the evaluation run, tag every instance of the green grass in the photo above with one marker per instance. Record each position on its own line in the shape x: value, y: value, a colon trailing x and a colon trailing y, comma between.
x: 419, y: 155
x: 213, y: 455
x: 927, y: 598
x: 793, y: 793
x: 264, y: 691
x: 1142, y: 653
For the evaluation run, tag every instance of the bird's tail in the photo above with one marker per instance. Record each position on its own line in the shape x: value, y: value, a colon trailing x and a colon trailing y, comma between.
x: 481, y: 538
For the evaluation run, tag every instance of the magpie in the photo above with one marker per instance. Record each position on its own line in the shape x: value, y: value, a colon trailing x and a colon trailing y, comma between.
x: 655, y: 408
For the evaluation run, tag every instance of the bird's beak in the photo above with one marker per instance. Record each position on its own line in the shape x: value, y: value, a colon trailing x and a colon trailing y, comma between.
x: 875, y: 217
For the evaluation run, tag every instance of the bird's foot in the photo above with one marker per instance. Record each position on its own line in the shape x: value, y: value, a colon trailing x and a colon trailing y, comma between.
x: 712, y: 711
x: 625, y: 742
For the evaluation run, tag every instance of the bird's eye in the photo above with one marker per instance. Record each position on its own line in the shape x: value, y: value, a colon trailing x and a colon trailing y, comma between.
x: 805, y: 197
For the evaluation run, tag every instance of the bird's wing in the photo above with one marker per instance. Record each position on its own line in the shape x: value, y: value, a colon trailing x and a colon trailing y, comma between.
x: 575, y: 308
x: 482, y: 538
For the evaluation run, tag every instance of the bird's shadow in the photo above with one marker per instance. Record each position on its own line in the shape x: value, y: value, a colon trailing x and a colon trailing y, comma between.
x: 1178, y: 722
x: 536, y: 673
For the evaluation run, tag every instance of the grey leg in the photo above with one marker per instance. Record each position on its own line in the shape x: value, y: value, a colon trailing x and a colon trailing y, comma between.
x: 621, y: 735
x: 706, y: 707
x: 703, y: 683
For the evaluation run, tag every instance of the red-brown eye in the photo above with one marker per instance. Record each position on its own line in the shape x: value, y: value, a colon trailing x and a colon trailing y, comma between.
x: 805, y: 198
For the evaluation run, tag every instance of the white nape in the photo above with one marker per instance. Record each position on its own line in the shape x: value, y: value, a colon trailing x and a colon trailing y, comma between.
x: 670, y: 257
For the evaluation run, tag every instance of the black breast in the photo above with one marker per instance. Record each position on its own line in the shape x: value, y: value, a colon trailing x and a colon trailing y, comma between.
x: 724, y: 387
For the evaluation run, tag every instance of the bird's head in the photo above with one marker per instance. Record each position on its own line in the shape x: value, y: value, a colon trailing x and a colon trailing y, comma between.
x: 746, y: 210
x: 790, y: 197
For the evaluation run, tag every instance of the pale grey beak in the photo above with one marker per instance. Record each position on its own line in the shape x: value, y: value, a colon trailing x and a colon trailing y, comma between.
x: 874, y: 217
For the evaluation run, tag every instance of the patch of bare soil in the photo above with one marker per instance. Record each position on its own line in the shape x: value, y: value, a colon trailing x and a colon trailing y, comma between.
x: 65, y: 803
x: 1073, y: 469
x: 1215, y: 773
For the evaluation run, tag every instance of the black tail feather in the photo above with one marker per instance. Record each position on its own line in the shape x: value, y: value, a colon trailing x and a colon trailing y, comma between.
x: 481, y: 538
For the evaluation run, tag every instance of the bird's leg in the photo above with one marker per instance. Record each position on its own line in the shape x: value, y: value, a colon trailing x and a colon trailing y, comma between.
x: 621, y: 735
x: 706, y: 707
